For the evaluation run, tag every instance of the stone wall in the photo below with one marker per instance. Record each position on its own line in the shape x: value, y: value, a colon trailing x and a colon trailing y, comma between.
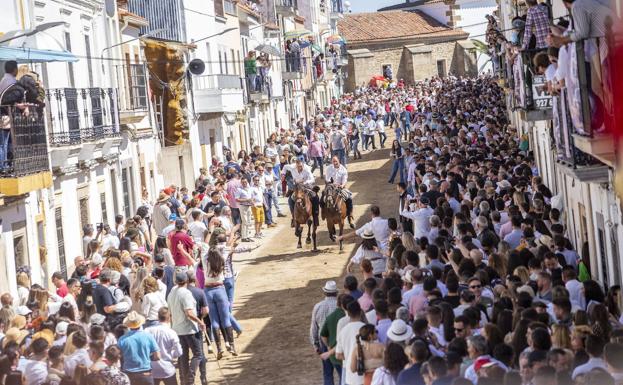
x: 405, y: 63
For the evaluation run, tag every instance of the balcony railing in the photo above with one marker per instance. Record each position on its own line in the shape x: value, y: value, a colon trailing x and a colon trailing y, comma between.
x: 218, y: 81
x: 132, y: 85
x: 259, y: 88
x: 229, y: 7
x: 78, y: 115
x: 287, y: 3
x: 27, y: 152
x: 336, y: 7
x: 529, y: 89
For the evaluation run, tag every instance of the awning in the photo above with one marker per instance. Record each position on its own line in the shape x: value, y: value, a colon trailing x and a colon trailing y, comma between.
x: 30, y: 55
x: 316, y: 48
x: 297, y: 33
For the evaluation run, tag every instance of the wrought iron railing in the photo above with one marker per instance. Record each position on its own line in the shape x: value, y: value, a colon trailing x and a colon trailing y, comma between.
x: 26, y: 150
x: 287, y: 3
x: 78, y: 115
x: 337, y: 6
x: 132, y: 86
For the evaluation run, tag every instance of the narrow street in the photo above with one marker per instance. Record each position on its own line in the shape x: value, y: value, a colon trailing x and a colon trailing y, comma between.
x: 279, y: 285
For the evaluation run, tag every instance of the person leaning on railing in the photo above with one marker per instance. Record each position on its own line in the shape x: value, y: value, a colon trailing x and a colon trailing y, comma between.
x: 12, y: 95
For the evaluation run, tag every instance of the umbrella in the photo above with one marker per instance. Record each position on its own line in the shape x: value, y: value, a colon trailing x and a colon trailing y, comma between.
x: 33, y: 47
x: 336, y: 39
x: 269, y: 49
x: 316, y: 48
x: 304, y: 44
x: 296, y: 34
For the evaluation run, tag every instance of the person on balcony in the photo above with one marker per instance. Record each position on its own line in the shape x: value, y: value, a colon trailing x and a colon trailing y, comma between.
x: 537, y: 25
x: 250, y: 70
x: 295, y: 49
x: 11, y: 94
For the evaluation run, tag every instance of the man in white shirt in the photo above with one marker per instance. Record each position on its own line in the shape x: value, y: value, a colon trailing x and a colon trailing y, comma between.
x: 301, y: 173
x: 420, y: 218
x: 257, y: 208
x: 346, y: 343
x: 244, y: 198
x: 595, y: 349
x: 197, y: 228
x: 169, y: 344
x: 338, y: 175
x: 379, y: 228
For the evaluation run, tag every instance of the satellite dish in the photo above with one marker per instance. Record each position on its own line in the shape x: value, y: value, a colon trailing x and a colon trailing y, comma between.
x: 196, y: 66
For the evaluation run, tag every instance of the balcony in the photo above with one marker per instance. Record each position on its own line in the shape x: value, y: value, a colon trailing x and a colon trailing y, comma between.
x: 260, y: 92
x: 286, y: 8
x: 293, y: 68
x: 81, y: 115
x: 133, y: 93
x: 530, y: 94
x: 590, y: 104
x: 218, y: 93
x: 337, y: 9
x: 26, y: 167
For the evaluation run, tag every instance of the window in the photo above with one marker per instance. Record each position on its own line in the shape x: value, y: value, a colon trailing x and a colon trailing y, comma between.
x: 125, y: 183
x: 83, y: 204
x: 70, y: 65
x: 220, y: 62
x: 20, y: 244
x: 209, y: 59
x: 103, y: 206
x: 601, y: 246
x: 233, y: 62
x: 180, y: 160
x: 218, y: 8
x: 113, y: 183
x: 225, y: 62
x: 87, y: 47
x: 441, y: 68
x: 60, y: 241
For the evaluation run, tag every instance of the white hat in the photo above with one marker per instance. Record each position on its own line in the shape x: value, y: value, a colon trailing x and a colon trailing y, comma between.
x: 61, y: 328
x: 330, y: 287
x: 23, y: 310
x: 96, y: 259
x: 399, y: 331
x: 367, y: 234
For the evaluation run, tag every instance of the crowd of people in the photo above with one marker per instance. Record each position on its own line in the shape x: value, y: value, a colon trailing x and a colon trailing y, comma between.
x: 473, y: 279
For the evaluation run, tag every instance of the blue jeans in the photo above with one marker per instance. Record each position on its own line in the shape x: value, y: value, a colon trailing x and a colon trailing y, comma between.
x: 341, y: 155
x: 382, y: 138
x: 268, y: 205
x: 318, y: 163
x: 354, y: 146
x: 229, y: 284
x: 4, y: 148
x: 327, y: 369
x: 398, y: 132
x: 398, y: 166
x: 218, y: 304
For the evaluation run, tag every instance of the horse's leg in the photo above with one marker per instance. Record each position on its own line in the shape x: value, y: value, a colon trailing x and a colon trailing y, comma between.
x: 314, y: 237
x: 308, y: 239
x: 331, y: 227
x: 341, y: 232
x: 299, y: 233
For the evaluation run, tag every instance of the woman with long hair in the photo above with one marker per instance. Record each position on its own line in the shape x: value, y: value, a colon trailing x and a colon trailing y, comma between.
x: 613, y: 299
x: 399, y: 162
x: 369, y: 250
x: 218, y: 304
x: 561, y: 337
x: 394, y: 361
x: 368, y: 355
x: 23, y: 288
x: 600, y: 321
x: 152, y: 300
x: 136, y: 288
x: 163, y: 249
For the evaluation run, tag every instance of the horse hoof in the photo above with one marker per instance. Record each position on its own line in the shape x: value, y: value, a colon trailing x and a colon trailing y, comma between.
x: 299, y: 246
x: 307, y: 241
x: 332, y: 238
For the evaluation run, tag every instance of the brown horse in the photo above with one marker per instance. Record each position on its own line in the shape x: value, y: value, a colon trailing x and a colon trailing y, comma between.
x: 333, y: 210
x: 303, y: 215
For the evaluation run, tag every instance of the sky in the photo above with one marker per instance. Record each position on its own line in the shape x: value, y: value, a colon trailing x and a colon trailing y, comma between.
x: 358, y: 6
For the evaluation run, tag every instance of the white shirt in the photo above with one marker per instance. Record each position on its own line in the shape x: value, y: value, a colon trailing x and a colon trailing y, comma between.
x: 110, y: 241
x: 574, y: 287
x: 152, y: 302
x: 346, y: 344
x: 339, y: 175
x: 305, y: 176
x: 35, y: 372
x: 421, y: 220
x: 379, y: 228
x: 382, y: 377
x: 243, y: 194
x: 197, y: 230
x: 257, y: 194
x: 80, y: 356
x: 170, y: 349
x: 587, y: 367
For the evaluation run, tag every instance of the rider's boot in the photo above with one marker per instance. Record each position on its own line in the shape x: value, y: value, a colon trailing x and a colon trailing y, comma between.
x: 230, y: 336
x: 217, y: 341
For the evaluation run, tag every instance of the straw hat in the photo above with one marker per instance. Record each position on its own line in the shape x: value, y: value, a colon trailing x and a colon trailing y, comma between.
x: 162, y: 197
x: 330, y: 287
x: 14, y: 335
x: 134, y: 320
x: 399, y: 331
x: 46, y: 334
x: 367, y: 234
x: 19, y: 322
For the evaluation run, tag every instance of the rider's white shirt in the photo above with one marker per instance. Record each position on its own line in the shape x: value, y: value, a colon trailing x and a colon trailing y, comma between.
x: 339, y: 175
x: 305, y: 176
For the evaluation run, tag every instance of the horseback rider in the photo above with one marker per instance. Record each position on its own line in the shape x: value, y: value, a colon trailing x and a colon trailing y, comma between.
x: 338, y: 175
x: 301, y: 174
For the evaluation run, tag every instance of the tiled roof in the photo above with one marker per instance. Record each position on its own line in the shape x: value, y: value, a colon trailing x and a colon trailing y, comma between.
x: 390, y: 25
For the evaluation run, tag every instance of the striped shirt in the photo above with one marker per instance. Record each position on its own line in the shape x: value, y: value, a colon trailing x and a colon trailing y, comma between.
x: 537, y: 23
x: 320, y: 313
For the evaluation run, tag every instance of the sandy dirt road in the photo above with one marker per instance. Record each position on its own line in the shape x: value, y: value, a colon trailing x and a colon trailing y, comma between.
x: 279, y: 285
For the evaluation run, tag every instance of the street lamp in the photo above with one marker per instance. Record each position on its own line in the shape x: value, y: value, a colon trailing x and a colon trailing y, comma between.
x: 148, y: 34
x: 37, y: 29
x: 216, y: 34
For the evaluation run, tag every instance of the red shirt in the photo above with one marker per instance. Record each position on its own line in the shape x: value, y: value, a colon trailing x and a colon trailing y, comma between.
x: 177, y: 237
x: 62, y: 291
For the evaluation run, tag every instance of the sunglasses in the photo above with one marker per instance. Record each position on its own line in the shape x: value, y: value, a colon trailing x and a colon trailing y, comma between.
x: 476, y: 287
x: 458, y: 330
